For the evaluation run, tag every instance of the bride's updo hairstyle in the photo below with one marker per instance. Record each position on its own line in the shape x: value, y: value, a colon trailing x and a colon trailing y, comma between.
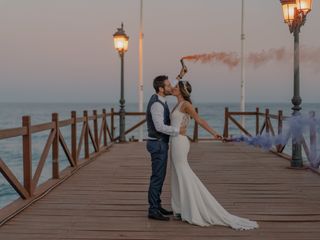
x: 185, y: 89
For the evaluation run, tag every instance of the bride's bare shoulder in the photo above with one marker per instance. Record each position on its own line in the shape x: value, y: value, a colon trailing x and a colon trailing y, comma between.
x: 185, y: 106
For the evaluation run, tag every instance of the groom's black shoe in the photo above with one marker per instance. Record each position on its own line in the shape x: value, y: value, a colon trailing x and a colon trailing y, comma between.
x: 158, y: 216
x: 165, y: 212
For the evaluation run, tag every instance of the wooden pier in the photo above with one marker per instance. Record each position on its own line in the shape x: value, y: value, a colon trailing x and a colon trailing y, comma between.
x: 102, y: 194
x: 107, y: 199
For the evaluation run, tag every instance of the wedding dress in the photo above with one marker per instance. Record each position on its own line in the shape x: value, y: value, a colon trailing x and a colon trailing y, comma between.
x: 189, y: 197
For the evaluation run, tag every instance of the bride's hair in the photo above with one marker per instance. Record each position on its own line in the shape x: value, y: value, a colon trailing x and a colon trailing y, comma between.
x: 185, y: 89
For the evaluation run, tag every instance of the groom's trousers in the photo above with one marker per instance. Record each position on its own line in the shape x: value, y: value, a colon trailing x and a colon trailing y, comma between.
x: 159, y: 156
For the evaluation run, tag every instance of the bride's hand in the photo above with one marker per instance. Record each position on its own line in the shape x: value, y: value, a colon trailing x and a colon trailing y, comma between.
x: 217, y: 137
x: 183, y: 71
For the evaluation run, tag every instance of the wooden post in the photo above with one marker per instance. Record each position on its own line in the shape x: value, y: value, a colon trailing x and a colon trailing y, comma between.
x: 196, y: 129
x: 313, y: 137
x: 95, y: 129
x: 257, y: 121
x: 104, y: 119
x: 226, y: 123
x: 74, y: 137
x: 280, y: 122
x: 55, y: 147
x: 267, y: 121
x: 112, y: 124
x: 86, y: 135
x: 280, y: 125
x: 27, y: 155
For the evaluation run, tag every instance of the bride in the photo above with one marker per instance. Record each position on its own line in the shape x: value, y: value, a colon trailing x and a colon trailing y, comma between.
x: 190, y: 199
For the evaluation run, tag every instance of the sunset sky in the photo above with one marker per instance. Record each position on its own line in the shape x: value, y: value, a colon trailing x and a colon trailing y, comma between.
x: 62, y: 50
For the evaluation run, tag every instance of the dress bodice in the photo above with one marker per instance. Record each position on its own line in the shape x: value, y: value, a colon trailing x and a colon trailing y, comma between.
x: 179, y: 118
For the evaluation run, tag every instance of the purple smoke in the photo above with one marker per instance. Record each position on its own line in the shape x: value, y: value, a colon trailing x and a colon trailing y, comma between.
x: 295, y: 128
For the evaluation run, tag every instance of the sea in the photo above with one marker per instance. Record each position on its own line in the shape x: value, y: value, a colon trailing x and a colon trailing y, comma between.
x: 11, y: 117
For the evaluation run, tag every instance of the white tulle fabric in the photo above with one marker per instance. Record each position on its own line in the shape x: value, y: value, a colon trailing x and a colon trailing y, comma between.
x: 189, y: 197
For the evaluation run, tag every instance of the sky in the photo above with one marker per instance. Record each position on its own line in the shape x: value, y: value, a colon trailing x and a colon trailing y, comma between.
x: 62, y: 50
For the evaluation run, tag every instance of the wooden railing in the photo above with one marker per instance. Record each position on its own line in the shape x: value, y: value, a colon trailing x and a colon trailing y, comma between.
x: 268, y: 128
x: 99, y: 138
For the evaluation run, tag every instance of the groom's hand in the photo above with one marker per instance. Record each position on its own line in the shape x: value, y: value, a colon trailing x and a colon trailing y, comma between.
x: 183, y: 130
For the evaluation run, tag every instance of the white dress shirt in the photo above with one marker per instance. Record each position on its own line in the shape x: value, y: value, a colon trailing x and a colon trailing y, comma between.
x: 157, y: 112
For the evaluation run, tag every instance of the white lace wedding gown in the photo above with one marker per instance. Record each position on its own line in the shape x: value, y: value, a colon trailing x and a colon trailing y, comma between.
x: 189, y: 197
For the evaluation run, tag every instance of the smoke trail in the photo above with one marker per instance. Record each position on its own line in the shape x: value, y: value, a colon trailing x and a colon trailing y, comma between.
x: 308, y: 55
x: 311, y: 57
x: 297, y: 125
x: 263, y: 57
x: 265, y: 141
x: 230, y: 59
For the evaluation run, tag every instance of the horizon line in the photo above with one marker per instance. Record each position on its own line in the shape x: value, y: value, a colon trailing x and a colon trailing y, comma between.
x: 107, y: 102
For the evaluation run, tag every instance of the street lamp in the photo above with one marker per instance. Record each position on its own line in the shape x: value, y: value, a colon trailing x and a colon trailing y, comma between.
x: 121, y: 45
x: 295, y: 13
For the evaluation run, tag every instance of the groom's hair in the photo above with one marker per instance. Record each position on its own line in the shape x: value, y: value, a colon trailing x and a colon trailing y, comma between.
x: 159, y: 82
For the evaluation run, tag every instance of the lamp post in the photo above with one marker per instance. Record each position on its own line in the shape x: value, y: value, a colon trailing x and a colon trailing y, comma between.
x: 121, y: 45
x: 295, y: 13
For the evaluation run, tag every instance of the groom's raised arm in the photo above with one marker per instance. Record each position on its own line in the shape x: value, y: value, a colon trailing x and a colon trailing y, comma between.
x: 157, y: 111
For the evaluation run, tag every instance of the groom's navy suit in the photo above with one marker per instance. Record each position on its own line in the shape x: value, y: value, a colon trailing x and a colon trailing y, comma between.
x: 157, y: 145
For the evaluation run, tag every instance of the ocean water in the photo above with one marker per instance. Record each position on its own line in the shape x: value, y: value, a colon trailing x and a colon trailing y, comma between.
x: 11, y: 117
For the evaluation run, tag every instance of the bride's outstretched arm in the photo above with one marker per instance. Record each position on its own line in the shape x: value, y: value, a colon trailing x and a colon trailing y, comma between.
x: 189, y: 109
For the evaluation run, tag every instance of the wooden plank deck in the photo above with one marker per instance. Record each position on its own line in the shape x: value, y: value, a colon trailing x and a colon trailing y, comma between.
x: 108, y: 198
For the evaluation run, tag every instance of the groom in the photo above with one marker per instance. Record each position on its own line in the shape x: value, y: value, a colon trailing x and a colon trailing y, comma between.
x: 159, y: 131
